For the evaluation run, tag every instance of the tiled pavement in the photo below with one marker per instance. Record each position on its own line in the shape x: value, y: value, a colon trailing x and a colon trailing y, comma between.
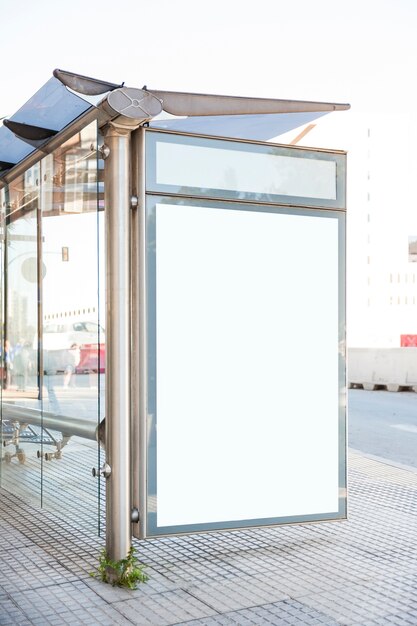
x: 361, y: 571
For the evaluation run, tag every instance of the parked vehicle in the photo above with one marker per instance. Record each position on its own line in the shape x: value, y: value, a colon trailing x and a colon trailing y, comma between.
x: 60, y: 338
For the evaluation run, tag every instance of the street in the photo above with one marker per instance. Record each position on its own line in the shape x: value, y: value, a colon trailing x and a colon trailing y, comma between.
x: 384, y: 424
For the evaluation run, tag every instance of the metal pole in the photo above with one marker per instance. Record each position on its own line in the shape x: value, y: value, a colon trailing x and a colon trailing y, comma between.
x: 139, y: 352
x: 117, y: 216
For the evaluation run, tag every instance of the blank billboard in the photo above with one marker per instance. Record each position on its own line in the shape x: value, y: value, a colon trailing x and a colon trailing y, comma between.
x: 246, y: 423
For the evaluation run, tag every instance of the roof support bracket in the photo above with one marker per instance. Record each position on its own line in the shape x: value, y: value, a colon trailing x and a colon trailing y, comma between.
x: 34, y: 135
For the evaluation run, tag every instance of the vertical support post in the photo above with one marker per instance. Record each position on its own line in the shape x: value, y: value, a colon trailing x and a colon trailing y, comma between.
x: 39, y: 283
x: 118, y: 331
x: 5, y: 276
x: 139, y: 352
x: 39, y: 280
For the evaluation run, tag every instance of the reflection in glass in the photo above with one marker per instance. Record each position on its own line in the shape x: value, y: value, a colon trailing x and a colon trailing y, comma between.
x: 72, y: 337
x: 276, y: 174
x: 20, y: 330
x: 243, y: 170
x: 53, y: 345
x: 21, y: 326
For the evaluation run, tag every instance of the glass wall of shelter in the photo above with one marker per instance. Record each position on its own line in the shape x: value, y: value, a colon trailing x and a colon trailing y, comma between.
x: 243, y: 417
x: 53, y: 339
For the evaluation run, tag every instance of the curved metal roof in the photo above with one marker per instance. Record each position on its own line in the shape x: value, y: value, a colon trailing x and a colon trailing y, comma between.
x: 68, y: 100
x: 44, y: 115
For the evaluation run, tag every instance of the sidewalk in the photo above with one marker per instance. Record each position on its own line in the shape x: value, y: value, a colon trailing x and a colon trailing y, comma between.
x: 361, y: 571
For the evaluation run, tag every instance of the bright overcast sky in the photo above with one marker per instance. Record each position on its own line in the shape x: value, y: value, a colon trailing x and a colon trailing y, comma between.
x: 362, y: 51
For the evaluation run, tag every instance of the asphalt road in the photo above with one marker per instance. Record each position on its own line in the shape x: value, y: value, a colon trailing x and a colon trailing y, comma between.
x: 384, y: 424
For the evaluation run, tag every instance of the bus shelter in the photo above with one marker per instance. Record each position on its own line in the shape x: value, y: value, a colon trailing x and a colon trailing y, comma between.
x: 182, y: 279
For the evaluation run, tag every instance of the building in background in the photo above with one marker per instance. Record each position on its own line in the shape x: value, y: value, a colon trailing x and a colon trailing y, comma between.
x: 381, y: 225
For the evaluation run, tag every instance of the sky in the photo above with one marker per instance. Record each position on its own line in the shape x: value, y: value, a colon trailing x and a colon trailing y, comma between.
x: 361, y: 52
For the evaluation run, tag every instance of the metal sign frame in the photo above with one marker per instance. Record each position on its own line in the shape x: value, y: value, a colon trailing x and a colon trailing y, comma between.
x: 144, y: 475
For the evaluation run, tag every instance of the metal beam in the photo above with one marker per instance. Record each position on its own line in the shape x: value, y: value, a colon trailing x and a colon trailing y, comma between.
x: 139, y: 351
x: 181, y: 103
x: 84, y: 84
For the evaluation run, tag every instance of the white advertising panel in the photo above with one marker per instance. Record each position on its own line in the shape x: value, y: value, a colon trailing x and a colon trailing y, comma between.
x: 246, y: 425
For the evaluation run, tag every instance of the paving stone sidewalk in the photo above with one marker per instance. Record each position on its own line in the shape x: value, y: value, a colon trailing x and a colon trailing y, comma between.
x: 362, y: 571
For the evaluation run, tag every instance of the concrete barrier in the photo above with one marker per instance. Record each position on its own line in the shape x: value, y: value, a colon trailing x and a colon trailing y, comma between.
x: 394, y: 369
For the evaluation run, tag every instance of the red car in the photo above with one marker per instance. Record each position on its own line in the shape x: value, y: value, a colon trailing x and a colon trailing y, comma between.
x: 93, y: 358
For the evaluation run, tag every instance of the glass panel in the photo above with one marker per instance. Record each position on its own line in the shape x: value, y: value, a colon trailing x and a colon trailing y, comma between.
x: 12, y: 149
x: 4, y: 358
x: 53, y: 342
x: 73, y: 334
x: 52, y: 106
x: 245, y: 309
x: 231, y: 169
x: 21, y: 467
x: 255, y: 127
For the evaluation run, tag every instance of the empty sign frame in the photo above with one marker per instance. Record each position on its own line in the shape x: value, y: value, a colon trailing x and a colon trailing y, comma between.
x: 245, y: 288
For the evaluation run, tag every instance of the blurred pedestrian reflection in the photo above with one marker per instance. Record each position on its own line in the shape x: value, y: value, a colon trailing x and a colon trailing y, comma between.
x: 73, y: 359
x: 21, y: 363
